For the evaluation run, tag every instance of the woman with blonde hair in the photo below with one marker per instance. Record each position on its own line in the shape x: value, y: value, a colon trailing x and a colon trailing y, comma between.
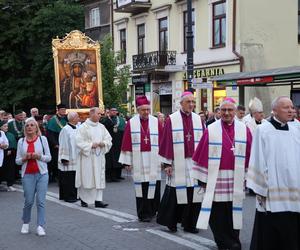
x: 33, y: 154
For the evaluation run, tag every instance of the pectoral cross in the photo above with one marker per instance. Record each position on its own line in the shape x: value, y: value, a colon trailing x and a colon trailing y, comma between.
x: 188, y: 136
x: 232, y: 149
x: 146, y: 140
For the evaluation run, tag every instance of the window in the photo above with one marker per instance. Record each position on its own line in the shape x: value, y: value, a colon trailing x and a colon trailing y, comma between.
x: 219, y: 24
x: 94, y: 17
x: 141, y: 38
x: 163, y: 34
x: 185, y: 28
x: 123, y: 45
x: 298, y: 21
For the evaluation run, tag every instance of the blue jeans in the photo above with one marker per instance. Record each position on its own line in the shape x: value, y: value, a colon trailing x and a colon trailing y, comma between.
x: 35, y: 184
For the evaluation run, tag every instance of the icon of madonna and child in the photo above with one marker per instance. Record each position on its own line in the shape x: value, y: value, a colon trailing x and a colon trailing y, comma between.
x: 78, y: 79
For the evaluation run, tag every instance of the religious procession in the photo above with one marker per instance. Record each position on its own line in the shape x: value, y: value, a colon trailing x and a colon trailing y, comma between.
x: 160, y: 124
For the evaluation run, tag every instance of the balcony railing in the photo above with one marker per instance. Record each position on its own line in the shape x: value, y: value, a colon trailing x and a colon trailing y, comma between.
x: 153, y: 60
x: 132, y: 6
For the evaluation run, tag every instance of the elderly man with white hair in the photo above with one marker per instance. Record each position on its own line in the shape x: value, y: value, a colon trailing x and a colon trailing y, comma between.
x: 34, y: 112
x: 221, y: 160
x: 93, y: 141
x: 67, y: 159
x: 274, y: 176
x: 181, y: 200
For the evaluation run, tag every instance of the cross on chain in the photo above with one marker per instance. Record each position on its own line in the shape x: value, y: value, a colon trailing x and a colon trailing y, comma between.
x: 146, y: 140
x: 188, y: 136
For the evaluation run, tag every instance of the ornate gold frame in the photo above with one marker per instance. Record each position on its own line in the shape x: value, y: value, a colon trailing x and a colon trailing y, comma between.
x: 76, y: 40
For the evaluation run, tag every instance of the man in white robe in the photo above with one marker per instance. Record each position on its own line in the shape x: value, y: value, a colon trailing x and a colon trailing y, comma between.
x: 256, y: 115
x: 93, y: 142
x: 274, y: 176
x: 67, y: 159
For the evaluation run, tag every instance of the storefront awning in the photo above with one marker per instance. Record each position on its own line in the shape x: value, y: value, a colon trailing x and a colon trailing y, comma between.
x: 271, y: 77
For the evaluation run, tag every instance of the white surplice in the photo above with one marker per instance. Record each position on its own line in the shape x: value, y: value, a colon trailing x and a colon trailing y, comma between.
x: 90, y: 171
x: 274, y: 168
x: 67, y: 148
x: 3, y: 141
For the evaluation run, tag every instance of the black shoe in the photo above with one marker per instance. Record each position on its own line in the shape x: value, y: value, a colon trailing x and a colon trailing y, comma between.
x: 145, y: 219
x: 115, y: 180
x: 83, y: 204
x: 173, y: 229
x: 191, y: 230
x: 71, y: 200
x: 120, y: 178
x: 100, y: 204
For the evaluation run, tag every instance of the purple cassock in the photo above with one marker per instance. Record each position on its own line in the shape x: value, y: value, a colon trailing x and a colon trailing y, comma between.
x: 145, y: 137
x: 166, y: 145
x: 227, y: 157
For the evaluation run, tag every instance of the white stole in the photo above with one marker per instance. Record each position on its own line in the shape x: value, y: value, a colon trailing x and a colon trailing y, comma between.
x: 179, y: 160
x: 135, y: 126
x: 214, y: 157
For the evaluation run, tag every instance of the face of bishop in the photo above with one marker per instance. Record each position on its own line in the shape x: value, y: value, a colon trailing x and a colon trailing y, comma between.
x: 188, y: 104
x: 283, y: 111
x: 144, y: 111
x: 228, y: 112
x: 258, y: 116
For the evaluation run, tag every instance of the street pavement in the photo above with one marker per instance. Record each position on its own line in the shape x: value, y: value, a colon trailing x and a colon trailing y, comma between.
x: 70, y: 226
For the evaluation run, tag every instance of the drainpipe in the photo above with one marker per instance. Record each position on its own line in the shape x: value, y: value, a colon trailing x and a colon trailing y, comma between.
x: 238, y: 55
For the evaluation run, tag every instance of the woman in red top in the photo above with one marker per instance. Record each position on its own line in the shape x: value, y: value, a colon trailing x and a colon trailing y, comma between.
x: 33, y: 154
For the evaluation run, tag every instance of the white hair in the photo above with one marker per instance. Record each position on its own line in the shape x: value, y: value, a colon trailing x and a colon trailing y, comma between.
x: 227, y: 102
x: 276, y: 101
x: 72, y: 115
x: 93, y: 110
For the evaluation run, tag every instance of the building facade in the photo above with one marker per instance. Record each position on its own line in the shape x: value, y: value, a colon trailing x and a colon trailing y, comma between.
x: 229, y: 36
x: 98, y: 18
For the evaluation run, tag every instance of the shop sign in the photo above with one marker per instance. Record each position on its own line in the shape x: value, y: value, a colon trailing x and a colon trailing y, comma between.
x: 165, y: 88
x: 139, y: 90
x: 209, y: 72
x: 255, y: 80
x: 207, y: 85
x: 140, y: 79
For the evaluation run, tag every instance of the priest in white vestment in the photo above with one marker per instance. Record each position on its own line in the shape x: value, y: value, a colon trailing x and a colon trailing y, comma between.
x: 256, y: 115
x: 181, y: 201
x: 221, y: 160
x: 67, y: 159
x: 274, y: 176
x: 93, y: 142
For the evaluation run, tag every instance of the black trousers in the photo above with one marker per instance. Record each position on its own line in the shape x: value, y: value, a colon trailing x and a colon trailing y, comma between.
x: 147, y: 208
x: 52, y: 165
x: 67, y: 190
x: 170, y: 213
x: 221, y: 224
x: 274, y: 231
x: 7, y: 171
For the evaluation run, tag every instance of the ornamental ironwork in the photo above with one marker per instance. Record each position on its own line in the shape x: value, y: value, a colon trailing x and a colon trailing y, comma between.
x: 153, y: 60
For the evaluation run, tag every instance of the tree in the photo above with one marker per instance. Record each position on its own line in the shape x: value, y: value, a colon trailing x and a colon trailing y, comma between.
x: 114, y: 78
x: 26, y: 62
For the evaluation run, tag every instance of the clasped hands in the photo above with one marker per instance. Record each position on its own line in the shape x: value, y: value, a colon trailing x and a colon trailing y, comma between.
x: 3, y: 146
x: 98, y: 144
x: 31, y: 156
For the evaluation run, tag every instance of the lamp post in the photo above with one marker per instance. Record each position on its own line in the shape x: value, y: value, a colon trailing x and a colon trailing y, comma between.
x: 190, y: 49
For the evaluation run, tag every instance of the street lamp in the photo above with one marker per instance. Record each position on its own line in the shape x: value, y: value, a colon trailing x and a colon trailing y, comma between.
x: 190, y: 46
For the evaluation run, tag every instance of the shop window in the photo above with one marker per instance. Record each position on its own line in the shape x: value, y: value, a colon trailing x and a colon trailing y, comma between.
x: 94, y: 17
x: 219, y: 24
x: 185, y: 29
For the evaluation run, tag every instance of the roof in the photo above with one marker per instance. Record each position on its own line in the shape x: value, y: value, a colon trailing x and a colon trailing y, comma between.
x: 278, y: 76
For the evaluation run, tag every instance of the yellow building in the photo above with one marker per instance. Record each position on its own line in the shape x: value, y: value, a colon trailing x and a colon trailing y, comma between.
x: 229, y: 36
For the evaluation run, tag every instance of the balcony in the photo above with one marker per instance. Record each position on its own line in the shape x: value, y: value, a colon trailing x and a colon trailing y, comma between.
x: 132, y: 6
x: 153, y: 60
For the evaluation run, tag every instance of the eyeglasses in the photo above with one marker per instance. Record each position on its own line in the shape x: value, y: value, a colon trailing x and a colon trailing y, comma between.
x: 229, y: 110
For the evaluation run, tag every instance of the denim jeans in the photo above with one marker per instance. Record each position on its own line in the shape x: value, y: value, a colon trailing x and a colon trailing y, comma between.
x: 35, y: 184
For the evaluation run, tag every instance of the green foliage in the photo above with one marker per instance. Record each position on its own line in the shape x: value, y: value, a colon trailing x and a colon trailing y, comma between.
x: 114, y: 79
x: 26, y: 62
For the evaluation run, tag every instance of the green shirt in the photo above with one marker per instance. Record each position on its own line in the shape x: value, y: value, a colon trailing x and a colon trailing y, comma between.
x: 56, y: 123
x: 16, y: 128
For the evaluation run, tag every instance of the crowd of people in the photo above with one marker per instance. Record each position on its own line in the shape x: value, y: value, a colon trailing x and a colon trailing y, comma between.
x: 209, y: 160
